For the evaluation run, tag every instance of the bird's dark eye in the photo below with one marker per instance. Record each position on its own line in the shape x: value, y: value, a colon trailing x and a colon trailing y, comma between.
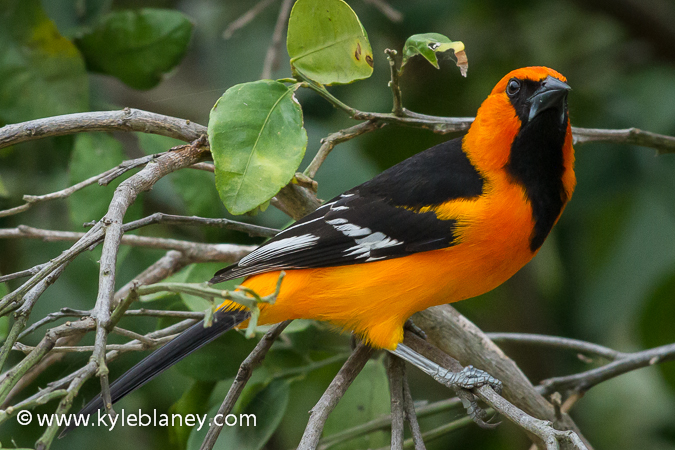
x: 513, y: 87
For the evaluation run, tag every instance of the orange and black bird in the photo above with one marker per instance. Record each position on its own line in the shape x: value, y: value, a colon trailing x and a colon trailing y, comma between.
x: 449, y: 223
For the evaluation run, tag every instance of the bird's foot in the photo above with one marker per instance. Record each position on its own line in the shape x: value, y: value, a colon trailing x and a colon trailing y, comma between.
x: 467, y: 378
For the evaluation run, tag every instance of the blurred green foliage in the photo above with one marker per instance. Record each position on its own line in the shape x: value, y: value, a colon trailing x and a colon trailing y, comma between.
x: 604, y: 275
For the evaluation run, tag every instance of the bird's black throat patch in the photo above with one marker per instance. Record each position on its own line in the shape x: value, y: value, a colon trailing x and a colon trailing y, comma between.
x: 536, y: 163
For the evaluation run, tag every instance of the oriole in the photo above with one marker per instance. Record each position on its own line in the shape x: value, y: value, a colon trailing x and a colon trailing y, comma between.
x: 449, y: 223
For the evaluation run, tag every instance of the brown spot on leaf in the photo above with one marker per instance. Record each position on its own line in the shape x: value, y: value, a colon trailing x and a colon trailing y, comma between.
x: 357, y: 53
x: 369, y: 60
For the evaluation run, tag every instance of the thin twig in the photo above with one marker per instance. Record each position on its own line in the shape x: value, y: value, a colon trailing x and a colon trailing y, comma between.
x: 581, y: 382
x: 397, y: 109
x: 384, y: 423
x: 22, y: 314
x: 333, y: 139
x: 411, y: 417
x: 21, y: 274
x: 396, y: 373
x: 161, y: 218
x: 253, y: 360
x: 207, y: 252
x: 319, y: 413
x: 272, y: 56
x: 558, y: 342
x: 385, y: 8
x: 246, y: 18
x: 634, y: 136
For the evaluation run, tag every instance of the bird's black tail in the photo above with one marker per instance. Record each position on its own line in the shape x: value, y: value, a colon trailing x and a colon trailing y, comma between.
x: 158, y: 361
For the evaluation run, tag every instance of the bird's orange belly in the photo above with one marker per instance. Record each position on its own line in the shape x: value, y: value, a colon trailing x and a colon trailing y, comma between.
x: 375, y: 299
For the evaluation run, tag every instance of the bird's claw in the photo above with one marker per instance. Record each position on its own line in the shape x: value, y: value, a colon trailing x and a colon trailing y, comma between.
x: 469, y: 378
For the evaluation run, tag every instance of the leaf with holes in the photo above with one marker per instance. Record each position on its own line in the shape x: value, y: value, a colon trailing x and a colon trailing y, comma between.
x: 257, y: 141
x: 327, y: 43
x: 429, y: 44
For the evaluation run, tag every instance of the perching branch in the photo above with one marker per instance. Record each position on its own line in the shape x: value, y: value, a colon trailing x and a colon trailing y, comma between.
x: 457, y: 336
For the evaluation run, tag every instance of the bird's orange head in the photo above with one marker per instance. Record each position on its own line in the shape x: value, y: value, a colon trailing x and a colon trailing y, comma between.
x: 522, y: 130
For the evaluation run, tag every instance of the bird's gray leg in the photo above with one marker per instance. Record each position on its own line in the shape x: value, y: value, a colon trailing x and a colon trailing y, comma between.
x: 468, y: 378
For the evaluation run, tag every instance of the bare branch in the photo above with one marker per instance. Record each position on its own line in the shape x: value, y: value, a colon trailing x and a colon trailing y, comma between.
x: 384, y: 423
x: 196, y: 250
x: 253, y: 360
x: 457, y: 336
x: 22, y: 314
x: 397, y: 110
x: 21, y: 274
x: 246, y: 18
x: 558, y: 342
x: 581, y: 382
x: 272, y: 56
x: 128, y: 119
x: 411, y: 416
x: 102, y: 178
x: 319, y: 414
x: 634, y: 136
x: 396, y: 373
x: 156, y: 218
x: 385, y: 8
x: 333, y: 139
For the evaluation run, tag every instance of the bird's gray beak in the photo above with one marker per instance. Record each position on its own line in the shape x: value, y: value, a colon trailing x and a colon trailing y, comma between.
x: 551, y: 94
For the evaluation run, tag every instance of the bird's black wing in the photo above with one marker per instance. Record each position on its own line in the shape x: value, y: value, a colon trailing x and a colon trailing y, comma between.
x: 377, y: 220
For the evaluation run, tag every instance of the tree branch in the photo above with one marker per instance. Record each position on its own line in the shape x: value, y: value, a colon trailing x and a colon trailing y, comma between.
x: 128, y: 119
x: 253, y: 360
x: 396, y: 373
x: 319, y: 414
x: 558, y: 342
x: 582, y: 382
x: 246, y: 18
x: 272, y: 56
x: 457, y: 336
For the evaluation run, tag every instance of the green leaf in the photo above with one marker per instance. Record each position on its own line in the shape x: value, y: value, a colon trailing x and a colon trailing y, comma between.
x: 93, y: 154
x: 268, y: 407
x: 656, y: 323
x: 73, y: 17
x: 366, y: 399
x: 257, y: 141
x: 327, y: 43
x: 42, y: 72
x: 429, y: 44
x: 138, y: 47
